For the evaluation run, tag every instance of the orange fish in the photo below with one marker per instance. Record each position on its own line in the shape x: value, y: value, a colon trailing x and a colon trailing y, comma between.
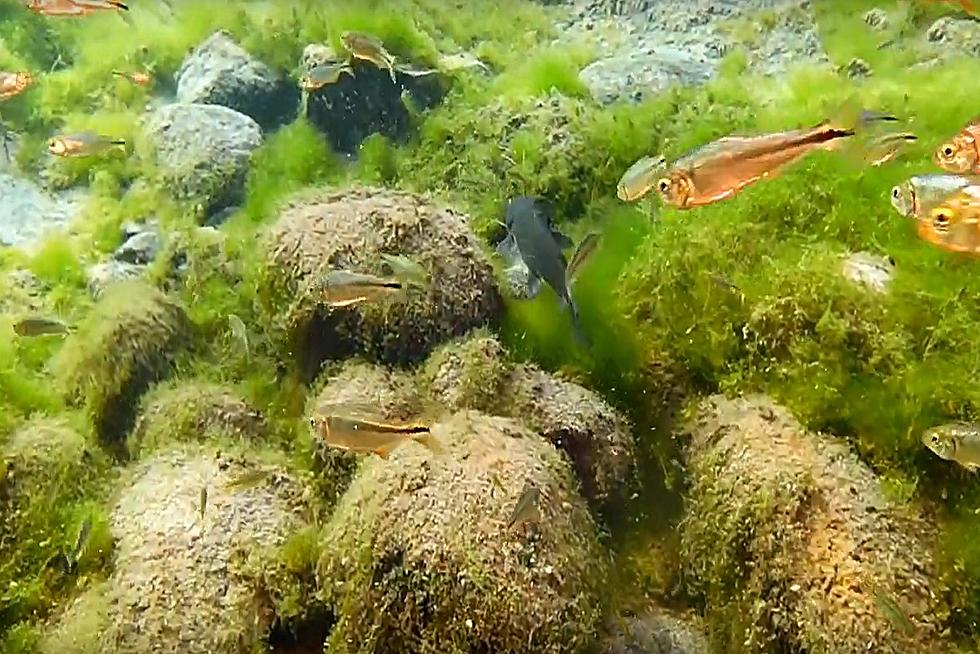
x: 961, y: 154
x: 720, y: 169
x: 82, y: 144
x: 954, y: 225
x: 72, y: 7
x: 138, y: 78
x: 12, y: 84
x: 967, y: 5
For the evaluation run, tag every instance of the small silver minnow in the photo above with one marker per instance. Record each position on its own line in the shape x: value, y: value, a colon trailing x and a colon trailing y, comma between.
x: 204, y: 500
x: 238, y: 331
x: 406, y: 270
x: 343, y: 288
x: 640, y: 178
x: 957, y: 441
x: 920, y: 194
x: 81, y: 542
x: 586, y: 248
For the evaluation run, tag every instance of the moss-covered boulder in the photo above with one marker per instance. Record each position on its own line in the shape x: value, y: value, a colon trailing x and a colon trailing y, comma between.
x: 389, y: 393
x: 186, y: 411
x: 595, y: 436
x: 349, y: 230
x: 128, y: 342
x: 656, y: 630
x: 78, y: 628
x: 467, y: 374
x: 181, y: 582
x: 46, y: 467
x: 418, y: 557
x: 792, y: 545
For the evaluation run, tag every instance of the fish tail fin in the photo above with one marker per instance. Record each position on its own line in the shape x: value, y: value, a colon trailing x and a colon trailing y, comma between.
x: 119, y: 73
x: 430, y: 442
x: 118, y: 5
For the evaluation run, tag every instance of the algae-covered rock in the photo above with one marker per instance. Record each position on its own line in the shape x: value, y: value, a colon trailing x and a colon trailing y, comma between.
x: 219, y: 71
x: 594, y: 435
x: 128, y: 342
x: 350, y: 230
x: 369, y: 102
x: 204, y: 152
x: 467, y: 374
x: 188, y: 411
x: 657, y: 631
x: 792, y: 545
x: 78, y: 628
x: 29, y: 212
x: 418, y: 557
x: 389, y: 393
x: 45, y: 466
x: 180, y: 582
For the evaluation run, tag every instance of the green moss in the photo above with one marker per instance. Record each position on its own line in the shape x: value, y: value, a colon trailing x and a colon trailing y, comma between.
x: 466, y: 373
x: 130, y: 340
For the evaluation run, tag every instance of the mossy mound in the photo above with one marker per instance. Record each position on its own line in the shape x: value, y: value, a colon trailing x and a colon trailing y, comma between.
x: 77, y: 629
x: 467, y: 374
x: 180, y: 583
x: 45, y: 468
x: 128, y: 342
x: 657, y: 631
x: 791, y: 544
x: 357, y: 383
x: 350, y: 229
x: 597, y: 438
x: 418, y: 557
x: 189, y: 411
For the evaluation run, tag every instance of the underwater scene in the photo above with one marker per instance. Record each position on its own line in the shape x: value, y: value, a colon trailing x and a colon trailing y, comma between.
x: 524, y: 326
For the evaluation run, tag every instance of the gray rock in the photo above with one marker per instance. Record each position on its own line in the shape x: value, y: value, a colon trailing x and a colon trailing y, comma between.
x: 101, y: 275
x: 955, y: 36
x: 869, y: 270
x: 204, y: 152
x: 657, y: 631
x: 653, y: 45
x: 140, y: 248
x: 28, y: 212
x: 219, y: 71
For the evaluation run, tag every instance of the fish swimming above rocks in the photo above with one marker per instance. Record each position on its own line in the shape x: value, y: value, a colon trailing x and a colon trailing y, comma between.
x: 532, y: 238
x: 12, y: 84
x: 957, y: 441
x: 73, y: 7
x: 40, y: 326
x: 362, y: 435
x: 961, y: 154
x: 526, y: 509
x: 919, y: 194
x: 640, y: 178
x: 954, y: 224
x: 324, y: 75
x: 720, y: 169
x: 138, y: 78
x: 81, y: 144
x: 369, y: 48
x: 343, y: 288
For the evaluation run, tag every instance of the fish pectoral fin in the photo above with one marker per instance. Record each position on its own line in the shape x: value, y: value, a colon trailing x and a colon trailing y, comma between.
x: 382, y: 452
x: 563, y: 241
x: 507, y: 249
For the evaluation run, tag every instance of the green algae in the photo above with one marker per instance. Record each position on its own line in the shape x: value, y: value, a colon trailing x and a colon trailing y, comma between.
x: 875, y: 370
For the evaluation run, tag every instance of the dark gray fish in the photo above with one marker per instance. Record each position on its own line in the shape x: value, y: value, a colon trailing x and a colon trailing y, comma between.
x: 526, y: 509
x: 533, y: 238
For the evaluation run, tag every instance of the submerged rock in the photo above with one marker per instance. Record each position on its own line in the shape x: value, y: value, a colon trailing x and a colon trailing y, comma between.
x: 349, y: 230
x: 28, y: 213
x: 189, y: 411
x: 368, y: 102
x: 791, y: 544
x: 418, y: 556
x: 180, y: 582
x: 101, y: 276
x: 869, y: 270
x: 470, y: 373
x: 657, y: 631
x: 204, y: 152
x: 596, y: 437
x: 219, y: 71
x: 128, y: 342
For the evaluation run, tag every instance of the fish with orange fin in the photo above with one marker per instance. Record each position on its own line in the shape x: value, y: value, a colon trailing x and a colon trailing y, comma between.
x: 961, y: 154
x: 81, y: 144
x: 73, y: 7
x: 353, y: 434
x: 720, y: 169
x: 138, y: 78
x: 12, y: 84
x: 954, y: 225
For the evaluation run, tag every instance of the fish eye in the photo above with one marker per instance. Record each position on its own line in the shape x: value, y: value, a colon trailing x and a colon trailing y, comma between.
x: 947, y: 151
x: 941, y: 218
x: 935, y: 439
x: 895, y: 192
x: 663, y: 185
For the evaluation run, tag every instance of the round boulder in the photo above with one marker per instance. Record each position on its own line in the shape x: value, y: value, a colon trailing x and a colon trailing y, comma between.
x: 656, y: 631
x: 128, y: 342
x: 203, y: 152
x: 219, y: 71
x: 418, y: 556
x: 792, y: 546
x: 595, y: 436
x: 189, y: 411
x: 467, y: 374
x: 350, y: 230
x: 181, y: 581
